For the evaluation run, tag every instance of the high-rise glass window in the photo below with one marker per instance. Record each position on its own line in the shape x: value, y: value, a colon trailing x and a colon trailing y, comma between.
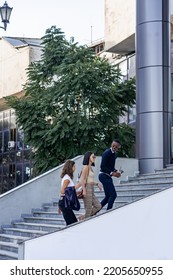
x: 6, y: 139
x: 132, y: 66
x: 1, y: 186
x: 1, y: 121
x: 6, y: 119
x: 128, y: 70
x: 172, y: 99
x: 12, y: 119
x: 132, y: 115
x: 124, y: 69
x: 14, y: 153
x: 1, y: 142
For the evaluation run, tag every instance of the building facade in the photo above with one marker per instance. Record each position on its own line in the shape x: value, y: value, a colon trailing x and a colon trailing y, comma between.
x: 120, y: 29
x: 127, y: 25
x: 15, y: 56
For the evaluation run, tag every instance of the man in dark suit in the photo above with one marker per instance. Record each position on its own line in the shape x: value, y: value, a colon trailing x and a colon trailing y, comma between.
x: 107, y: 171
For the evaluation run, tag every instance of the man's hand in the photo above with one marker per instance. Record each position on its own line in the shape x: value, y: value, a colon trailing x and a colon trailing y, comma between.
x: 116, y: 174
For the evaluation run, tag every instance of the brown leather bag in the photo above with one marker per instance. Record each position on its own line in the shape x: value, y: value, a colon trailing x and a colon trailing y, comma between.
x: 80, y: 193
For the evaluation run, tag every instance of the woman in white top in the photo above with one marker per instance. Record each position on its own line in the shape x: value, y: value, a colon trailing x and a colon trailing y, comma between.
x: 67, y: 181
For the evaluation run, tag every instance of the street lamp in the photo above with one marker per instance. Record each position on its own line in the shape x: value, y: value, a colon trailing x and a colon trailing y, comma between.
x: 5, y: 12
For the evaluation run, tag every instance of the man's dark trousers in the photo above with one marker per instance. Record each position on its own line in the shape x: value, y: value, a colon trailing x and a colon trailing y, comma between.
x: 109, y: 189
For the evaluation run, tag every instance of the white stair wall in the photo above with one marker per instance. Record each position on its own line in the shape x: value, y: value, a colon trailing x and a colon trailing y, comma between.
x: 141, y: 230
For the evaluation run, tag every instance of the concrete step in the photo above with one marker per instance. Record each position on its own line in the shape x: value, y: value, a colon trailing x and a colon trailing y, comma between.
x: 49, y: 207
x: 169, y: 167
x: 155, y: 185
x: 36, y: 226
x: 23, y: 232
x: 134, y: 190
x: 8, y: 255
x: 50, y: 217
x: 121, y: 197
x: 12, y: 238
x: 59, y: 220
x: 132, y: 187
x: 158, y: 174
x: 54, y: 214
x: 9, y: 246
x: 46, y: 214
x: 149, y: 179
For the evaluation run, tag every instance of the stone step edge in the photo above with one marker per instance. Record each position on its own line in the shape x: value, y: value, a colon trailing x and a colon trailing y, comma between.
x: 8, y: 254
x: 11, y: 244
x: 34, y: 224
x: 40, y: 232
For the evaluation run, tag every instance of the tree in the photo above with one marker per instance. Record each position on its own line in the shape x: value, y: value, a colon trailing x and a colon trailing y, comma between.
x: 72, y: 103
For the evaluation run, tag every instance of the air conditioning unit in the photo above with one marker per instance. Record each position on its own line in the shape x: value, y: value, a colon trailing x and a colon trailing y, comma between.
x: 11, y: 144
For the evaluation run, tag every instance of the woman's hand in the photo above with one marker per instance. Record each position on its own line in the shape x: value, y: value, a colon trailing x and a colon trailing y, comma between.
x: 92, y: 184
x: 78, y: 185
x: 100, y: 186
x: 84, y: 192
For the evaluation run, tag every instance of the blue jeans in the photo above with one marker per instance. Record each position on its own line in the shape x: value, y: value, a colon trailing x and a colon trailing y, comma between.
x: 109, y: 189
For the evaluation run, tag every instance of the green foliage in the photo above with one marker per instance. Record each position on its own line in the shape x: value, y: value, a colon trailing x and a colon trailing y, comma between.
x: 72, y: 103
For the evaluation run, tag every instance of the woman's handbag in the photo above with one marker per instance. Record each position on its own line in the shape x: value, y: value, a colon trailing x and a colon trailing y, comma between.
x: 71, y: 200
x: 80, y: 193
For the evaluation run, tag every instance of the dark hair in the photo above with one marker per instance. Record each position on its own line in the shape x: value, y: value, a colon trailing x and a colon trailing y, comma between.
x: 117, y: 141
x: 86, y: 158
x: 68, y: 168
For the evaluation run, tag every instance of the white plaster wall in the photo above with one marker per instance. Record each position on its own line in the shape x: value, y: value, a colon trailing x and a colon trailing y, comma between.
x: 120, y: 21
x: 13, y: 64
x: 139, y: 231
x: 35, y: 53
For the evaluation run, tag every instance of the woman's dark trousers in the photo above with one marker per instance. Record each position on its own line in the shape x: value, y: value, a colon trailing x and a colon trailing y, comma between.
x: 68, y: 214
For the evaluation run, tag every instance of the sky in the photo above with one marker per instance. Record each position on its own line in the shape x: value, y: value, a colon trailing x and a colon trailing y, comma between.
x: 81, y: 19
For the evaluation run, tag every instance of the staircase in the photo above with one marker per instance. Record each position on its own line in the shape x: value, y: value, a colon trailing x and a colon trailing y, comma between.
x: 46, y: 218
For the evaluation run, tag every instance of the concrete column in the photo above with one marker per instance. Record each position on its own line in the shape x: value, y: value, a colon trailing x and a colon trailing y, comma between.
x: 153, y: 74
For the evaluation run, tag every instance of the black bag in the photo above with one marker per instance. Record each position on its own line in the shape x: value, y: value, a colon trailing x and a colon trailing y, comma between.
x: 71, y: 201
